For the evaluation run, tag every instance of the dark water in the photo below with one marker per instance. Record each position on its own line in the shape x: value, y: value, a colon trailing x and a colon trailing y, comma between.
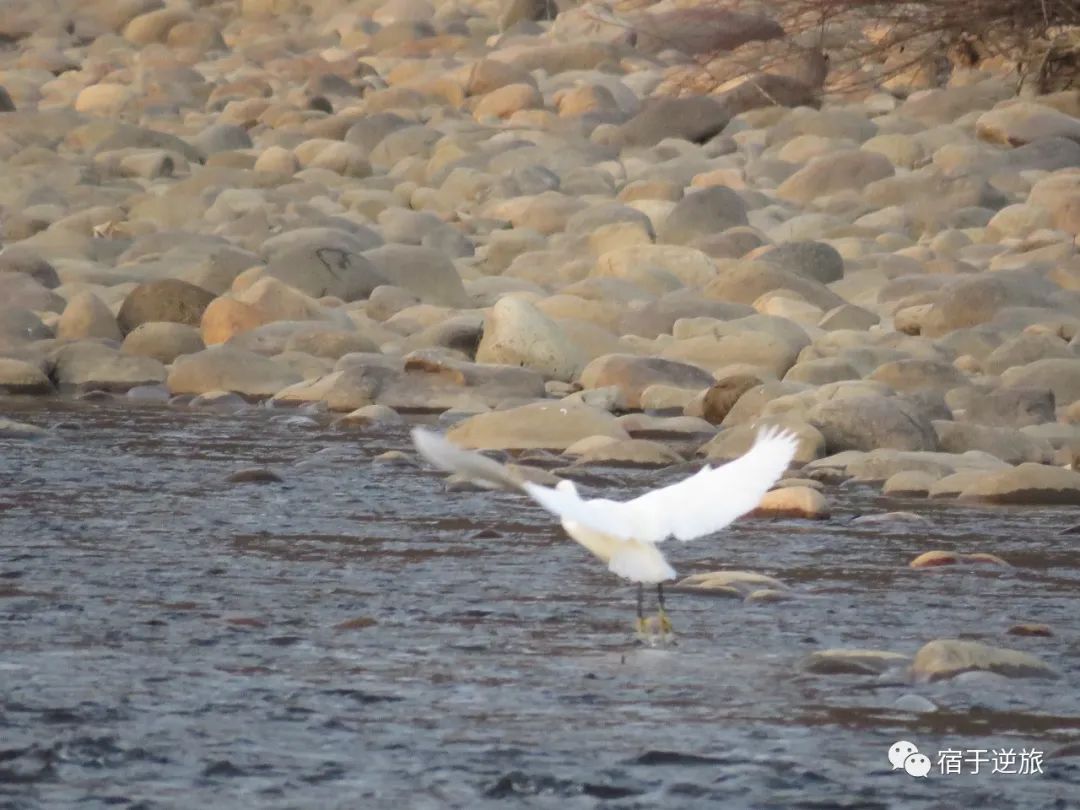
x: 356, y: 638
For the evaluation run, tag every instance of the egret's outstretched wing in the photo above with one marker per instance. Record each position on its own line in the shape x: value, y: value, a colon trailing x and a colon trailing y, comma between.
x: 701, y: 504
x: 612, y: 518
x: 449, y: 457
x: 715, y: 497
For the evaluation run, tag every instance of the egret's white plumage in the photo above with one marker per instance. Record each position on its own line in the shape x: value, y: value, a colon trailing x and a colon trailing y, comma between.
x: 625, y: 534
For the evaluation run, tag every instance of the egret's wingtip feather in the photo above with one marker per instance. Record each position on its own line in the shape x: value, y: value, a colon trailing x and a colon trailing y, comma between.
x: 431, y: 445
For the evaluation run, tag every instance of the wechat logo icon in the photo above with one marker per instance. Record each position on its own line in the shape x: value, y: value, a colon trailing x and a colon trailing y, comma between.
x: 904, y: 754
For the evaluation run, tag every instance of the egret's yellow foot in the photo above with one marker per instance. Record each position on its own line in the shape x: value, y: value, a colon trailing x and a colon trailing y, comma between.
x: 665, y: 623
x: 654, y: 630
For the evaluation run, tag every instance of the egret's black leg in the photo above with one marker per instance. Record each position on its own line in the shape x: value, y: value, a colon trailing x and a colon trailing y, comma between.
x: 640, y: 608
x: 665, y: 622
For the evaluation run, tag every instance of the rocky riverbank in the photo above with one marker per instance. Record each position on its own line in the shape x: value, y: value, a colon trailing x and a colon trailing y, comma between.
x: 533, y: 228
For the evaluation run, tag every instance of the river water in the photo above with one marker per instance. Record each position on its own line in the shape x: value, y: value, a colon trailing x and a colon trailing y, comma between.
x: 357, y: 637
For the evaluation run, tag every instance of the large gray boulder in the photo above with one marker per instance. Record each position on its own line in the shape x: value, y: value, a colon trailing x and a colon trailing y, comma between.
x: 516, y: 333
x: 222, y: 368
x: 632, y: 374
x: 702, y: 213
x: 700, y: 30
x: 546, y: 426
x: 694, y: 118
x: 1011, y: 406
x: 1060, y: 375
x: 1008, y: 444
x: 324, y: 261
x: 813, y: 260
x: 1031, y: 484
x: 970, y: 301
x: 844, y: 170
x: 426, y: 272
x: 424, y: 382
x: 871, y: 422
x: 90, y: 365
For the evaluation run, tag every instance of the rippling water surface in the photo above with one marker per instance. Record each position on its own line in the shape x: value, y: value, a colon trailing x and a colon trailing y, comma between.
x: 356, y: 637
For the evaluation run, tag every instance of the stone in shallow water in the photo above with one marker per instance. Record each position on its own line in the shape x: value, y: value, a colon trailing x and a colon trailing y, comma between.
x: 630, y: 452
x: 767, y: 596
x: 1030, y: 629
x: 20, y: 377
x: 535, y: 426
x: 852, y: 662
x: 798, y: 502
x: 1033, y: 484
x: 870, y: 422
x: 371, y: 415
x: 947, y: 658
x: 915, y: 703
x: 645, y: 426
x: 736, y: 584
x: 909, y: 483
x: 224, y: 401
x: 890, y: 517
x: 227, y: 369
x: 421, y: 383
x: 148, y: 393
x: 936, y: 558
x: 86, y: 365
x: 10, y: 429
x: 255, y: 475
x: 392, y: 457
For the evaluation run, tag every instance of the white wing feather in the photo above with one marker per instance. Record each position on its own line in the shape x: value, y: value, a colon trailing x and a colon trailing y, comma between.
x: 699, y: 505
x: 448, y: 457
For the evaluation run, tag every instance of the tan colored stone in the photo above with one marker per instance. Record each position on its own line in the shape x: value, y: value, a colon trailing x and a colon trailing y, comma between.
x: 946, y: 658
x: 20, y: 377
x: 799, y: 502
x: 547, y: 426
x: 226, y: 317
x: 933, y: 559
x: 852, y: 662
x: 504, y: 101
x: 630, y: 453
x: 729, y: 583
x: 86, y: 316
x: 221, y: 368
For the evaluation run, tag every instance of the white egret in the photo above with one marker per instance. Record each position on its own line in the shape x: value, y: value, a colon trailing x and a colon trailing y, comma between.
x: 625, y: 534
